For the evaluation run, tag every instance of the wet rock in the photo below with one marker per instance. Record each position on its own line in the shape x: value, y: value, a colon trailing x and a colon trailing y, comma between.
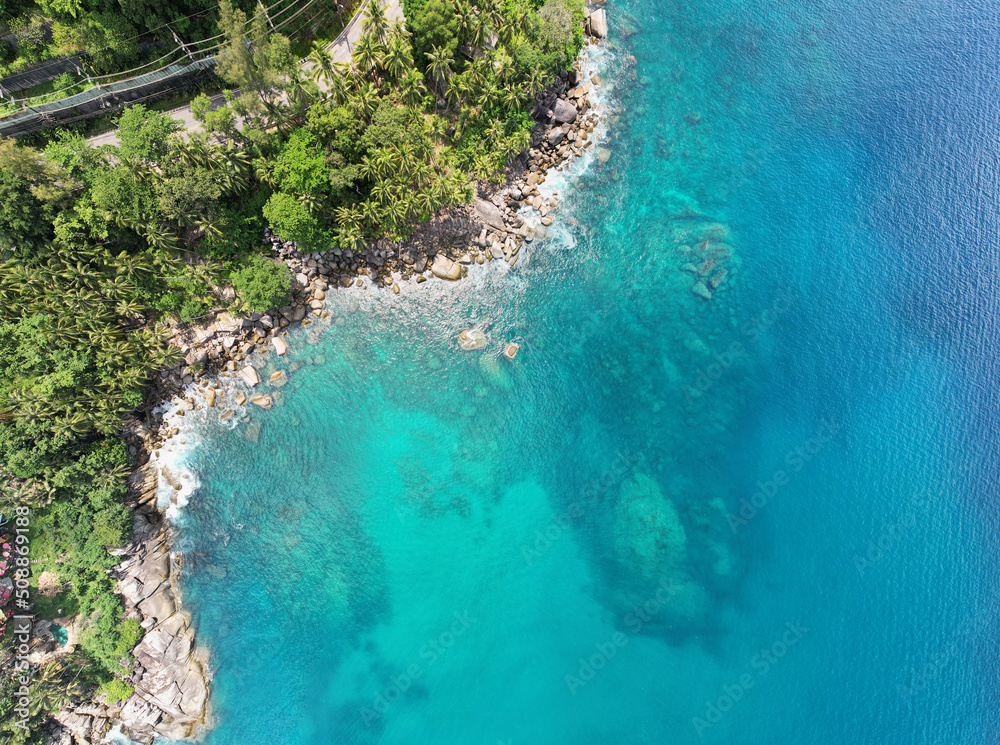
x: 471, y: 339
x: 445, y: 268
x: 250, y: 376
x: 264, y: 402
x: 280, y: 346
x: 240, y: 399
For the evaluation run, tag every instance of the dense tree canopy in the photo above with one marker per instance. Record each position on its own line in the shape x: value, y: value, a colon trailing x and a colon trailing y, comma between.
x: 101, y: 247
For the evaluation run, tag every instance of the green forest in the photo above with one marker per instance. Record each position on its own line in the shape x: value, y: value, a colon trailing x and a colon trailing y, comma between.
x: 102, y: 249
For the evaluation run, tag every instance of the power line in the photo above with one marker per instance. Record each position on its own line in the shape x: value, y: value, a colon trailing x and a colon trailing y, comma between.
x: 97, y: 80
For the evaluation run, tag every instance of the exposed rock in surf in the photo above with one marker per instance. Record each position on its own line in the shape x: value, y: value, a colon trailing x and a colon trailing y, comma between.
x: 250, y: 376
x: 471, y: 339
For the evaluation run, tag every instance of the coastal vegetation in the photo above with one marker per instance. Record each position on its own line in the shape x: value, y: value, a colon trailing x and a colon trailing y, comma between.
x: 105, y: 252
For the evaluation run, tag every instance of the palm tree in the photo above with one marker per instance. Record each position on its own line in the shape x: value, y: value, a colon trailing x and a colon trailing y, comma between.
x: 466, y: 18
x: 512, y: 97
x: 322, y: 65
x: 366, y: 54
x: 340, y: 88
x: 366, y: 99
x: 350, y: 236
x: 489, y: 96
x: 479, y: 33
x: 397, y: 58
x: 397, y: 210
x: 381, y: 193
x: 453, y: 90
x: 536, y: 82
x: 375, y: 22
x: 439, y: 63
x: 310, y: 201
x: 412, y: 88
x: 299, y: 94
x: 426, y: 200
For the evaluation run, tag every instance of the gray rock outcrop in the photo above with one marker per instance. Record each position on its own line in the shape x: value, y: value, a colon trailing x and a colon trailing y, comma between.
x: 169, y: 675
x: 597, y: 24
x: 564, y: 111
x: 489, y: 214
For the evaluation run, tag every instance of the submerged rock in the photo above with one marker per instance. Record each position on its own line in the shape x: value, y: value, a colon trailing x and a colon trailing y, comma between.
x: 649, y: 536
x: 252, y: 432
x: 700, y: 290
x: 652, y: 545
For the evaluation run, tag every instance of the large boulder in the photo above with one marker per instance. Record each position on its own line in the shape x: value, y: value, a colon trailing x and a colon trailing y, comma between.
x: 159, y: 606
x: 598, y: 24
x: 489, y: 213
x: 556, y: 135
x: 250, y: 376
x: 564, y: 111
x: 445, y: 268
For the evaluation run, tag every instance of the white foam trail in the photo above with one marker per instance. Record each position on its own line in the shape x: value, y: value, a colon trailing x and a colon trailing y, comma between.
x: 594, y: 59
x: 171, y: 461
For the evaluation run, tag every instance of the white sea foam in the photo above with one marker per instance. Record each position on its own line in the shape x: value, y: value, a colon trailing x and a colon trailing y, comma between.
x: 172, y: 460
x: 561, y: 181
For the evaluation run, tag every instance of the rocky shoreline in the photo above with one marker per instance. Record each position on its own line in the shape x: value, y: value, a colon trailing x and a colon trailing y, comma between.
x: 171, y: 675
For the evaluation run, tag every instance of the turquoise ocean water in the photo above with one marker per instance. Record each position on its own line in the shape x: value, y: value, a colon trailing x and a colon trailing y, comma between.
x: 767, y: 518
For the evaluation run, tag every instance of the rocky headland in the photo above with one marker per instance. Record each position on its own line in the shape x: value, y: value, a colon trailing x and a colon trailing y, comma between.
x: 170, y: 674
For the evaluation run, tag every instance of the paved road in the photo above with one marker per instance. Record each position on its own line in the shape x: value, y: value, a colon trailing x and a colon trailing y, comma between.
x: 340, y: 48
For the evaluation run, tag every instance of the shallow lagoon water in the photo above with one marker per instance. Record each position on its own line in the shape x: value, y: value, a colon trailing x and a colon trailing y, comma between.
x: 764, y: 518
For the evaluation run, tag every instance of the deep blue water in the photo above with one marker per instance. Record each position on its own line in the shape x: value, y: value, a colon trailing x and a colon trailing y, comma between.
x: 797, y: 478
